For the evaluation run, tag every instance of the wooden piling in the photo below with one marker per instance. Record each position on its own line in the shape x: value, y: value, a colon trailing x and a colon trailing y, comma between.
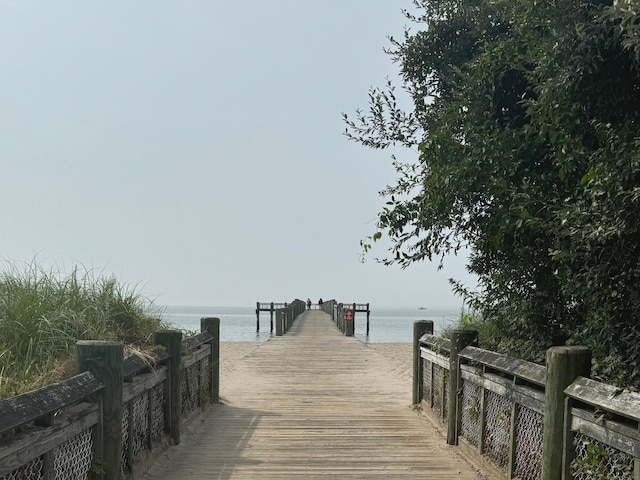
x: 257, y: 317
x: 271, y: 318
x: 368, y: 312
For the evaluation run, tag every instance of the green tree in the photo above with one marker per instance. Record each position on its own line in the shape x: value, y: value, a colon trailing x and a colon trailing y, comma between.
x: 525, y: 115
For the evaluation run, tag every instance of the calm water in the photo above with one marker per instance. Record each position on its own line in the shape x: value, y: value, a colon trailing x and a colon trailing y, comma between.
x: 239, y: 323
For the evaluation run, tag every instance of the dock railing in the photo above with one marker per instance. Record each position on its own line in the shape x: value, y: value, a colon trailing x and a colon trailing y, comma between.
x: 345, y: 321
x: 505, y: 410
x: 331, y: 307
x: 602, y: 431
x: 109, y: 420
x: 286, y: 316
x: 283, y: 313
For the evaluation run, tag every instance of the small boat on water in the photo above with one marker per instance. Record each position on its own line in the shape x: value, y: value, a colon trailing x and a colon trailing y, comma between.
x: 421, y: 308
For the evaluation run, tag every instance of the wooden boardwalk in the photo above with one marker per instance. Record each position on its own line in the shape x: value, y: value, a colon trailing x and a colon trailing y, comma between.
x: 313, y: 404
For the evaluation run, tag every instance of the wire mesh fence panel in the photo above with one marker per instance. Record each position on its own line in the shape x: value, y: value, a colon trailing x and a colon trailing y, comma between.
x: 28, y: 471
x: 189, y: 389
x: 597, y: 461
x: 426, y: 381
x: 204, y: 381
x: 140, y: 421
x: 445, y: 395
x: 496, y: 428
x: 73, y: 459
x: 471, y: 412
x: 528, y: 444
x: 438, y: 394
x: 124, y: 450
x: 157, y: 412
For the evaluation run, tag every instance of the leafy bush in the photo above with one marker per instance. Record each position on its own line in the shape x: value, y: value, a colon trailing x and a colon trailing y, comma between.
x: 524, y: 132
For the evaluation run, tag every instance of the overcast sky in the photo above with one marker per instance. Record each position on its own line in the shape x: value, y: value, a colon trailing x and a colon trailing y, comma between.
x: 194, y: 148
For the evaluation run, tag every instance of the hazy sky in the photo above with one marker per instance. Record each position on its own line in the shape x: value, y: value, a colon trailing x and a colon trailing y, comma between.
x: 195, y: 148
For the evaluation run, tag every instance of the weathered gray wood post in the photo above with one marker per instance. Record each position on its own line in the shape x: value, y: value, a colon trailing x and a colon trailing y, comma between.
x: 286, y: 313
x: 636, y: 465
x: 459, y: 340
x: 279, y: 321
x: 564, y: 365
x: 287, y: 318
x: 211, y: 325
x: 368, y: 312
x: 271, y: 317
x: 420, y: 327
x: 171, y: 340
x: 258, y: 317
x: 104, y: 361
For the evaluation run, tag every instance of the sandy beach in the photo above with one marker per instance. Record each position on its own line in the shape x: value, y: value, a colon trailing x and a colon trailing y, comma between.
x: 398, y: 356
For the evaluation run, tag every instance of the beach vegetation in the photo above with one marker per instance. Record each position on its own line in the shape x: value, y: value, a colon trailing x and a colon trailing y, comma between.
x: 43, y: 312
x: 523, y: 130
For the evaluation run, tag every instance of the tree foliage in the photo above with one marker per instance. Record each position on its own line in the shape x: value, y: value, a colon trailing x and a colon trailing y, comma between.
x: 526, y: 118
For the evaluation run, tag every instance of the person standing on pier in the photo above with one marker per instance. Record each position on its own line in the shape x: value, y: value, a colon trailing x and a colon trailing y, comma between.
x: 308, y: 304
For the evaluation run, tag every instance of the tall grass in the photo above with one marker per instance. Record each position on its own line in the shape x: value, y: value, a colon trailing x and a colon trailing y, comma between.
x: 44, y: 312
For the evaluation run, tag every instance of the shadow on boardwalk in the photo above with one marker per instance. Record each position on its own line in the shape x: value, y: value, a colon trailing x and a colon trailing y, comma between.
x: 312, y: 403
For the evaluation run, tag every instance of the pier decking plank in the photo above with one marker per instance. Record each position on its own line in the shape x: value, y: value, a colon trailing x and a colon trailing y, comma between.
x: 313, y: 404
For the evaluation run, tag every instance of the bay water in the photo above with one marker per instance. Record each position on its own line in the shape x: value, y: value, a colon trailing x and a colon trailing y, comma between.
x: 238, y: 324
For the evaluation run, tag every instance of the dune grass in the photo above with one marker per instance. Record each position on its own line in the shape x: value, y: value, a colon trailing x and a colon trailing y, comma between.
x: 44, y: 312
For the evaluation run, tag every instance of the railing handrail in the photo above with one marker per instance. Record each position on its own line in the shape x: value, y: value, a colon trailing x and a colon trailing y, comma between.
x: 529, y: 371
x: 436, y: 343
x: 268, y: 305
x: 361, y: 307
x: 31, y: 406
x: 605, y: 397
x: 136, y: 364
x: 191, y: 343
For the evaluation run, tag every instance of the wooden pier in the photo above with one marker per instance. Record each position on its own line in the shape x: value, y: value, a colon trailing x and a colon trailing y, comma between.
x: 313, y: 404
x: 272, y: 307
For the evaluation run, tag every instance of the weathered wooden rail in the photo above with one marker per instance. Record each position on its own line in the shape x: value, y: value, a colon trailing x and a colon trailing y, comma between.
x: 109, y: 420
x: 512, y: 412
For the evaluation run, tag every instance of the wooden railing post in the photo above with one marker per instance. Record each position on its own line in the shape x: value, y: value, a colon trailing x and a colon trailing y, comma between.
x: 104, y: 361
x: 171, y: 340
x: 287, y: 318
x: 279, y: 314
x: 459, y: 340
x: 211, y: 325
x: 420, y: 327
x: 564, y: 365
x: 258, y: 317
